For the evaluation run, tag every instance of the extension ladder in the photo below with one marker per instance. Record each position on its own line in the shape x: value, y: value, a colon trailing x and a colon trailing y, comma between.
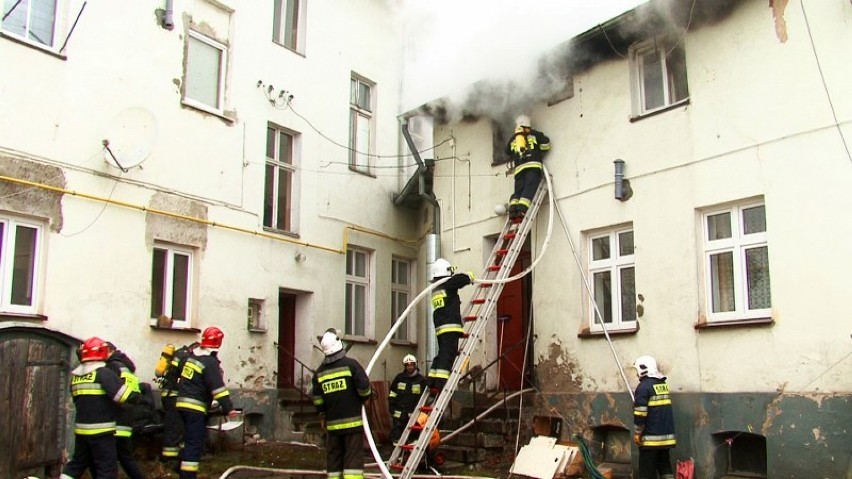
x: 475, y: 316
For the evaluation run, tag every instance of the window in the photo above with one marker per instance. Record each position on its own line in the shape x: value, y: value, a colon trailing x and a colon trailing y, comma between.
x: 736, y: 260
x: 288, y: 16
x: 357, y: 291
x: 205, y: 72
x: 360, y: 125
x: 20, y: 257
x: 400, y: 297
x: 613, y: 274
x: 33, y: 20
x: 278, y: 186
x: 256, y: 318
x: 659, y: 75
x: 171, y: 284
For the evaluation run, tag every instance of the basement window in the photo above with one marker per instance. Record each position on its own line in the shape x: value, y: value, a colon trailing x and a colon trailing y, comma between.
x: 740, y: 454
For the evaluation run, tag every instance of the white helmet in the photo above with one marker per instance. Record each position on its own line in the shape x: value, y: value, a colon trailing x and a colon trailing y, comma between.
x: 523, y: 120
x: 409, y: 358
x: 331, y: 342
x: 441, y: 268
x: 646, y: 366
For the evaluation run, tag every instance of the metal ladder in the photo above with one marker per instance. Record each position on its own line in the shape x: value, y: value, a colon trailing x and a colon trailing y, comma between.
x: 475, y: 316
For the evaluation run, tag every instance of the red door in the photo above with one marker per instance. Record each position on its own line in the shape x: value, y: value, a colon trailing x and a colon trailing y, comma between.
x: 512, y: 328
x: 286, y: 339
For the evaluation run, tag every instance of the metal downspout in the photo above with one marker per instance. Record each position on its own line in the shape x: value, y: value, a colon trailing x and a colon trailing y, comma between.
x: 433, y: 239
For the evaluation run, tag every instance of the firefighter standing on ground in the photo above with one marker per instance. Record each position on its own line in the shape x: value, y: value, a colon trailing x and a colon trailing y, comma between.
x: 447, y: 319
x: 653, y: 418
x: 97, y: 393
x: 405, y: 390
x: 340, y: 389
x: 168, y: 373
x: 124, y: 368
x: 526, y: 149
x: 200, y: 384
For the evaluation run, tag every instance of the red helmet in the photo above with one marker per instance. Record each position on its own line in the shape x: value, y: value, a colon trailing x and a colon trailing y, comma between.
x: 211, y: 338
x: 94, y: 349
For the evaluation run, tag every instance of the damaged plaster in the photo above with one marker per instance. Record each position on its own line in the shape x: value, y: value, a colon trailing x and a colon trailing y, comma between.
x: 32, y: 200
x: 176, y: 230
x: 559, y: 371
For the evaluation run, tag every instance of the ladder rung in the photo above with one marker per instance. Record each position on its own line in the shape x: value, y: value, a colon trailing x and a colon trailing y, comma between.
x: 417, y: 427
x: 426, y: 409
x: 470, y: 318
x: 465, y: 335
x: 510, y: 235
x: 494, y: 267
x: 478, y: 300
x: 407, y: 447
x: 486, y: 285
x: 397, y: 466
x: 502, y: 252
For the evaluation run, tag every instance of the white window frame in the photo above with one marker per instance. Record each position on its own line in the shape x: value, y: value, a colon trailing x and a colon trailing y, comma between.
x: 616, y: 265
x: 406, y: 331
x: 280, y: 166
x: 219, y: 107
x: 288, y: 29
x: 738, y: 246
x: 27, y: 5
x: 664, y: 51
x: 168, y: 280
x: 361, y: 125
x: 256, y: 315
x: 8, y: 267
x: 355, y: 281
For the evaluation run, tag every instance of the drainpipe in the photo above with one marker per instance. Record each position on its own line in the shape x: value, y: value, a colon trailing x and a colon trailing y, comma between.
x: 433, y: 239
x: 169, y: 16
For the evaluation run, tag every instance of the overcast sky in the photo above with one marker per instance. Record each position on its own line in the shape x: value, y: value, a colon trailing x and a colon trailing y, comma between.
x: 453, y: 43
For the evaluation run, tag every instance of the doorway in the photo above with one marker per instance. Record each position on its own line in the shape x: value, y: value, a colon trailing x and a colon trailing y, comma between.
x: 286, y: 339
x: 513, y: 321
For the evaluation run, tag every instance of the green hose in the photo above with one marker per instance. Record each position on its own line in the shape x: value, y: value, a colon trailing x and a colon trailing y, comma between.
x: 591, y: 469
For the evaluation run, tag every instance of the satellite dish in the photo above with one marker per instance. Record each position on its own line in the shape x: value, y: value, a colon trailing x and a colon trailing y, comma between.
x: 130, y: 136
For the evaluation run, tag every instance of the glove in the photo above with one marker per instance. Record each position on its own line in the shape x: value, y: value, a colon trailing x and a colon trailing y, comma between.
x: 637, y: 438
x: 233, y: 413
x: 472, y: 276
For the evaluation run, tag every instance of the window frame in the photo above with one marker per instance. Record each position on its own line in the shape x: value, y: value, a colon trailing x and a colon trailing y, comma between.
x: 663, y: 48
x: 615, y: 265
x: 295, y: 24
x: 8, y: 243
x: 56, y: 31
x: 219, y: 108
x: 291, y: 169
x: 361, y: 114
x: 407, y: 331
x: 737, y: 245
x: 354, y: 280
x: 167, y: 288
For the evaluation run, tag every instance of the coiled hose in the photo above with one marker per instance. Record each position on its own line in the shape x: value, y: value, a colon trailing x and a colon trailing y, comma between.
x: 591, y: 469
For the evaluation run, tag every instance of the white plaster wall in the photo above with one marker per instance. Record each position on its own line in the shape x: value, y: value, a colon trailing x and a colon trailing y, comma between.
x: 759, y: 123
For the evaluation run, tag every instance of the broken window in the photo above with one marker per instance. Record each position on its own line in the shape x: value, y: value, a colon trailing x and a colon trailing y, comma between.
x: 658, y: 72
x: 20, y: 256
x: 736, y: 260
x: 171, y: 284
x: 278, y: 195
x: 613, y: 277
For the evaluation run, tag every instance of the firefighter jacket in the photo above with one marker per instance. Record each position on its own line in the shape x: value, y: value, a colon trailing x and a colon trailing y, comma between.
x: 652, y: 413
x: 97, y: 393
x: 405, y: 391
x: 446, y: 304
x: 123, y: 367
x: 201, y: 382
x: 527, y: 148
x: 340, y: 388
x: 169, y: 381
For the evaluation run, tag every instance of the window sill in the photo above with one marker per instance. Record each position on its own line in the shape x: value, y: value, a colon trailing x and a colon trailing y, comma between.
x: 734, y: 323
x: 277, y: 231
x: 359, y: 339
x: 206, y: 109
x: 179, y: 330
x: 34, y: 46
x: 588, y: 334
x: 257, y: 330
x: 361, y: 172
x: 292, y: 50
x: 22, y: 317
x: 401, y: 342
x: 664, y: 109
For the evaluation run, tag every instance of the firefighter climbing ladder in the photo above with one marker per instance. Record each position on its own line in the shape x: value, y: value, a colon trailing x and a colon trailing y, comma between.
x: 476, y: 314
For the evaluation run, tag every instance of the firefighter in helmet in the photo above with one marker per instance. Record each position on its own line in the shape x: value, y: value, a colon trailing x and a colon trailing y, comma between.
x: 405, y: 390
x: 340, y: 387
x: 123, y: 366
x: 526, y: 149
x: 446, y: 316
x: 653, y: 419
x: 97, y: 393
x: 200, y: 384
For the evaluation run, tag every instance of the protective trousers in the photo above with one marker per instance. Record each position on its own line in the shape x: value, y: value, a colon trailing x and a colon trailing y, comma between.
x: 526, y: 185
x: 654, y: 460
x: 124, y: 450
x: 172, y: 430
x: 448, y: 349
x: 345, y: 456
x: 96, y: 453
x: 195, y: 433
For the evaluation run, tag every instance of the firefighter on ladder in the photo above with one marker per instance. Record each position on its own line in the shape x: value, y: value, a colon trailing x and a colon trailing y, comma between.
x: 446, y: 317
x: 97, y: 392
x: 526, y: 148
